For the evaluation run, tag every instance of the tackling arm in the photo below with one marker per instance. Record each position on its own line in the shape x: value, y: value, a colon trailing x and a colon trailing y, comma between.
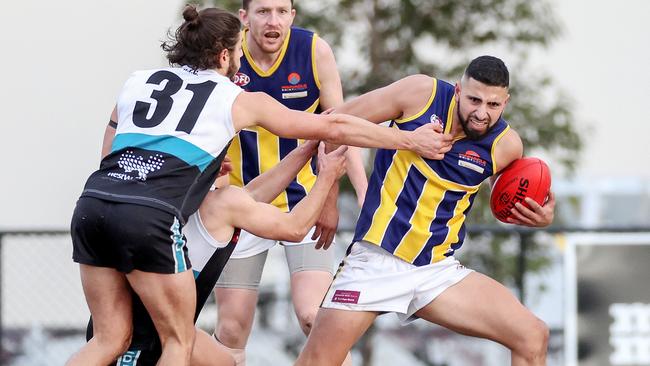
x: 267, y: 186
x: 252, y: 109
x: 234, y: 207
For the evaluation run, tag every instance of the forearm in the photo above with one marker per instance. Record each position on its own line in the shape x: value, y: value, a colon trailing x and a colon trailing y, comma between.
x: 305, y: 214
x: 265, y: 187
x: 357, y: 173
x: 350, y: 130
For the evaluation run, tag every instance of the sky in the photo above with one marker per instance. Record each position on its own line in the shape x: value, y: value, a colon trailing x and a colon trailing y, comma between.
x: 65, y: 62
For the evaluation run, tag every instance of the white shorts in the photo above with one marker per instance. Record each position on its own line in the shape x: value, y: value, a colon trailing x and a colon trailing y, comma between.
x: 372, y: 279
x: 250, y: 245
x: 200, y: 244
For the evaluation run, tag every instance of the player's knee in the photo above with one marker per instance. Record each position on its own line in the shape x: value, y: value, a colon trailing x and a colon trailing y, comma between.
x: 232, y: 332
x: 114, y: 341
x: 534, y: 341
x: 306, y: 318
x: 181, y: 337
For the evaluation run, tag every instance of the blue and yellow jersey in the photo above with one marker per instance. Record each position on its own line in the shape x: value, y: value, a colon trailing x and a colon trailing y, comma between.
x: 415, y: 207
x: 293, y: 81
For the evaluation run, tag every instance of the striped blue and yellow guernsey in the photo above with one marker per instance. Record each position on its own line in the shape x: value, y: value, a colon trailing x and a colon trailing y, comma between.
x: 293, y: 81
x: 415, y: 207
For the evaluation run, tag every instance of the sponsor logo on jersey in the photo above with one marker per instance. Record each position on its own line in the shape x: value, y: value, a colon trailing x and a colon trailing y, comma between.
x: 134, y: 163
x: 295, y: 89
x: 472, y: 160
x: 294, y: 78
x: 241, y: 80
x: 435, y: 119
x: 301, y: 94
x: 346, y: 296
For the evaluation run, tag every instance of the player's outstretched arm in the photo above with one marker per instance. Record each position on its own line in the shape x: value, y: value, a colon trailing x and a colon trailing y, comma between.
x: 239, y: 209
x: 390, y: 102
x: 265, y: 187
x: 252, y: 109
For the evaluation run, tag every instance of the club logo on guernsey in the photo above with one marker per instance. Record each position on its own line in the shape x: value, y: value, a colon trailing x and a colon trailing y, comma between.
x: 295, y: 89
x: 435, y: 119
x: 472, y: 160
x: 133, y: 163
x: 241, y: 80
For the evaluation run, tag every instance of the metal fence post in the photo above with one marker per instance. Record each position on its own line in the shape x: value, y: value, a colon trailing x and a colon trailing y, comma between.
x: 2, y: 328
x: 525, y: 241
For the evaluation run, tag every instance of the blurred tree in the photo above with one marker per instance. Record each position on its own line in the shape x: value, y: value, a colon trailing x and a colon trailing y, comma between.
x: 380, y: 41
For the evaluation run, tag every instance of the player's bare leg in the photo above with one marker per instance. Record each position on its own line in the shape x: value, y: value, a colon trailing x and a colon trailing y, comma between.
x: 208, y: 352
x: 109, y: 300
x: 308, y: 288
x: 464, y: 308
x: 170, y: 300
x: 235, y: 315
x: 332, y: 336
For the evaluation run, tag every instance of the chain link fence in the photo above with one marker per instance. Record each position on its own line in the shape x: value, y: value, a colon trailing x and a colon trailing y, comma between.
x: 44, y: 314
x: 43, y: 308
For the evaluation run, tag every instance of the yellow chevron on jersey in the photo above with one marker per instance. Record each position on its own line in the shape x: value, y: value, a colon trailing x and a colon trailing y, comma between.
x: 293, y: 81
x: 431, y: 196
x: 415, y: 208
x: 251, y: 61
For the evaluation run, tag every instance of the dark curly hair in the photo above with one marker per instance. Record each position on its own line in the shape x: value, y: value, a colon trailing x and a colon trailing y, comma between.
x: 489, y: 70
x: 198, y: 42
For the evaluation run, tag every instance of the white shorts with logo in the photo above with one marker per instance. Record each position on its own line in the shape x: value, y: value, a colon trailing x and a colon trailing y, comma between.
x: 244, y: 269
x: 372, y: 279
x: 250, y: 245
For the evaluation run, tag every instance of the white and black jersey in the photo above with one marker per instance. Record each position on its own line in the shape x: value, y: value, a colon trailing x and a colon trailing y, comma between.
x: 174, y: 127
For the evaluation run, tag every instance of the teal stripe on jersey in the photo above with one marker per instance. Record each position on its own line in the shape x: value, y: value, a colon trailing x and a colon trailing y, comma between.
x: 129, y: 358
x: 179, y: 148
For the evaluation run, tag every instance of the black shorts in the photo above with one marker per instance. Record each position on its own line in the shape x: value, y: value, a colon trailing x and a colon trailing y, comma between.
x: 127, y: 236
x: 145, y: 348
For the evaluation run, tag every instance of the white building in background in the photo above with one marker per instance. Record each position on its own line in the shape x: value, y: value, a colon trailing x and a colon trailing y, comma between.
x: 607, y: 202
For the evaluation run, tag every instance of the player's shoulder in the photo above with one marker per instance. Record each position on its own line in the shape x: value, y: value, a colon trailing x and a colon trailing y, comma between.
x: 512, y: 139
x: 508, y: 148
x: 225, y: 198
x: 413, y: 85
x: 418, y: 80
x: 322, y: 48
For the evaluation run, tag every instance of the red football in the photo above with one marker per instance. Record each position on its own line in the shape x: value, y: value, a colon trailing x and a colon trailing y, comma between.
x: 525, y: 177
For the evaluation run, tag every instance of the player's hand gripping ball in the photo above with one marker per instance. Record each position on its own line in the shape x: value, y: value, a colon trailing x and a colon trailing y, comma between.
x: 525, y: 177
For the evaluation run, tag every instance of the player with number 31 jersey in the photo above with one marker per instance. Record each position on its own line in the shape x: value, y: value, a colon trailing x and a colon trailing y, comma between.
x: 159, y: 151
